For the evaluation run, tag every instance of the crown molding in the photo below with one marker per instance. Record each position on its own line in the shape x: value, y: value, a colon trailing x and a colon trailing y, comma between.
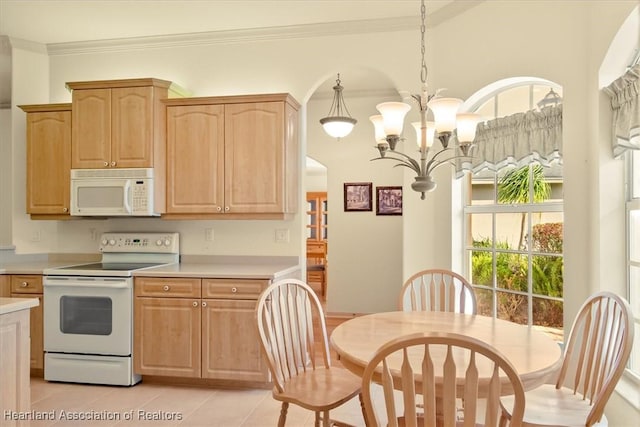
x: 235, y: 36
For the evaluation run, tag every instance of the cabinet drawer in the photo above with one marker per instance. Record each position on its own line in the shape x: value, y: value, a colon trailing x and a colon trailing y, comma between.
x: 233, y: 288
x: 26, y: 284
x: 167, y: 287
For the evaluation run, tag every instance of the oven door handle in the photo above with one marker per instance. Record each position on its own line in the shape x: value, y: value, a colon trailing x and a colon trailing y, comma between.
x: 110, y: 284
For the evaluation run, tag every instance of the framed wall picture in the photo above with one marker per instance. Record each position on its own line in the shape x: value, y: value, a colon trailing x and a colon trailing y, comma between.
x: 358, y: 196
x: 388, y: 200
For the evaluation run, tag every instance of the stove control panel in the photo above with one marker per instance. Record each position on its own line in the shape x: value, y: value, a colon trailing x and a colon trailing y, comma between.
x: 140, y: 242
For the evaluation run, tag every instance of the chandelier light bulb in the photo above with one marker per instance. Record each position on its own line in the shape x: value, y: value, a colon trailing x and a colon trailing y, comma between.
x: 466, y: 126
x: 431, y: 133
x: 393, y: 116
x: 444, y: 113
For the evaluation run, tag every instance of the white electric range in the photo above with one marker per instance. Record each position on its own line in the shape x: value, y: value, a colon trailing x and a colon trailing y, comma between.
x: 88, y: 309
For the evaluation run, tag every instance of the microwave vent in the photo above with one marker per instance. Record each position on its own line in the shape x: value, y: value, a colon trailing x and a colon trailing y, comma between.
x: 112, y: 173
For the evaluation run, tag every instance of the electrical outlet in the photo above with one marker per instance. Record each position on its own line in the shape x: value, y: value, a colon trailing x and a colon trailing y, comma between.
x: 282, y: 235
x: 36, y: 235
x: 208, y: 234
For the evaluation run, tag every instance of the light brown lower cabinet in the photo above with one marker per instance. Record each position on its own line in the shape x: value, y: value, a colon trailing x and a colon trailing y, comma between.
x: 198, y: 328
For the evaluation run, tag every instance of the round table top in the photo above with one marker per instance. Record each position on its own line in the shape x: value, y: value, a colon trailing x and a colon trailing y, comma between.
x: 535, y: 355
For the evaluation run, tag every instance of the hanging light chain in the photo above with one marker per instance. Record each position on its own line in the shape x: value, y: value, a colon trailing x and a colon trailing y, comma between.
x: 423, y: 29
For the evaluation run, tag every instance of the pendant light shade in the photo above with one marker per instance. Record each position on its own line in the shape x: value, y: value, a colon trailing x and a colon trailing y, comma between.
x: 338, y: 122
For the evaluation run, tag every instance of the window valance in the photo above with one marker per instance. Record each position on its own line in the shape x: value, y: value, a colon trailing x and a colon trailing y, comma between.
x: 625, y: 103
x: 516, y: 140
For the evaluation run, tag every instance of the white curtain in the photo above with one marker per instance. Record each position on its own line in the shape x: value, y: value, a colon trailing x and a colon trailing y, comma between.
x: 625, y: 102
x: 516, y: 140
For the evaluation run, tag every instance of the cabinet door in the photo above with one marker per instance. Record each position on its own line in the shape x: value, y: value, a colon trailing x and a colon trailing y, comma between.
x: 195, y: 159
x: 132, y: 127
x: 91, y: 129
x: 254, y: 157
x: 48, y: 162
x: 230, y: 343
x: 36, y: 328
x: 167, y: 335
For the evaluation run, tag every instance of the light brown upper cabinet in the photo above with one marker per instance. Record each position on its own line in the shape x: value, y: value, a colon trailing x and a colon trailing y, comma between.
x: 118, y: 124
x: 48, y: 160
x: 232, y: 157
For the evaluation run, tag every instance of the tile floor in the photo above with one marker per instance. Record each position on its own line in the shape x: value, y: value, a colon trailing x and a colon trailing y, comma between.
x: 187, y: 405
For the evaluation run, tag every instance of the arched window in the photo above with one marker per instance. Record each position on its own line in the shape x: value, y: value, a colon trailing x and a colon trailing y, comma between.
x: 513, y: 220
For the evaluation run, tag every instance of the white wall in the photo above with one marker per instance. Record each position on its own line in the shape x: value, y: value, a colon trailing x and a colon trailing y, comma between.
x: 365, y: 249
x: 5, y: 178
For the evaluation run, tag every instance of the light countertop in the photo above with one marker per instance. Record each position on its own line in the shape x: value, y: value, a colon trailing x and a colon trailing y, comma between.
x: 9, y: 305
x: 221, y: 270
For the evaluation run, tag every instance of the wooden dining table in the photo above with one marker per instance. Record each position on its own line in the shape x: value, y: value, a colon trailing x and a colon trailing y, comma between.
x: 535, y: 355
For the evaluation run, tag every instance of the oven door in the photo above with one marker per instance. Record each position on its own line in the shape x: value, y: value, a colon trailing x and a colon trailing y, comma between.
x: 90, y: 315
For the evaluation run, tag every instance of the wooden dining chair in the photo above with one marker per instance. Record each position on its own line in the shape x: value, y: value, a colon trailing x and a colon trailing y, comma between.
x: 317, y: 264
x: 437, y: 290
x: 597, y: 351
x: 298, y: 360
x: 432, y: 384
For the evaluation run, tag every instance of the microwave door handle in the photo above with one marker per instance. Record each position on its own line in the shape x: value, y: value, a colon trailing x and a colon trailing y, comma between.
x: 127, y: 196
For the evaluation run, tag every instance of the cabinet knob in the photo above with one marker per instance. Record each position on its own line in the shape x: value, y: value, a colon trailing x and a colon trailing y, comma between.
x: 234, y: 289
x: 219, y: 208
x: 165, y: 288
x: 226, y: 208
x: 113, y: 164
x: 204, y: 304
x: 24, y: 284
x: 65, y: 209
x: 106, y: 164
x: 195, y: 303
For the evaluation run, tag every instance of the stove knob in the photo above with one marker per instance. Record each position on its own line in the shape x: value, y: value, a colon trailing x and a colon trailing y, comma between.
x: 112, y: 242
x: 167, y: 242
x: 104, y: 242
x: 159, y: 242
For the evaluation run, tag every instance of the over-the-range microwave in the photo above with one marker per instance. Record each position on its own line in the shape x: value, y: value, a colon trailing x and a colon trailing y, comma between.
x: 112, y: 192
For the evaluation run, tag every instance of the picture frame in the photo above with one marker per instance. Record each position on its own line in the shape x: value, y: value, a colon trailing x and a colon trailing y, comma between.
x: 358, y: 196
x: 389, y: 200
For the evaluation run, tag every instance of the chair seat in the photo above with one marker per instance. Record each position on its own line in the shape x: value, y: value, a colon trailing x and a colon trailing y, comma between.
x: 548, y: 406
x: 321, y: 389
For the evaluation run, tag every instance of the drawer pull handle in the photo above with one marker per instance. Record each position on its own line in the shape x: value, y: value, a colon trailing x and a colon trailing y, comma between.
x: 195, y: 303
x: 165, y: 288
x: 24, y: 284
x: 234, y: 289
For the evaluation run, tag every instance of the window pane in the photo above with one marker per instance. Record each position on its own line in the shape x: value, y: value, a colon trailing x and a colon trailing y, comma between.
x: 547, y: 234
x: 488, y: 109
x: 483, y: 192
x: 548, y: 313
x: 634, y: 360
x: 515, y: 100
x: 635, y: 179
x: 540, y: 92
x: 512, y: 307
x: 634, y: 291
x: 511, y: 230
x: 481, y: 234
x: 634, y: 234
x: 484, y: 299
x: 547, y: 275
x: 511, y: 271
x: 482, y: 268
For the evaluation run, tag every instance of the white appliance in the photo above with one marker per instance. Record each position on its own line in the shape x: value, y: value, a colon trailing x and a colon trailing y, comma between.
x: 88, y: 309
x: 112, y: 192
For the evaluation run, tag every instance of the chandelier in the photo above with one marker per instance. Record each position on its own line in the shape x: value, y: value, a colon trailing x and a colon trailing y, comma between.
x: 338, y: 122
x: 447, y: 122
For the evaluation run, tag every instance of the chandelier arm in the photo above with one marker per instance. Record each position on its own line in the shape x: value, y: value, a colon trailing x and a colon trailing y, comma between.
x: 413, y: 165
x: 409, y: 159
x: 431, y: 166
